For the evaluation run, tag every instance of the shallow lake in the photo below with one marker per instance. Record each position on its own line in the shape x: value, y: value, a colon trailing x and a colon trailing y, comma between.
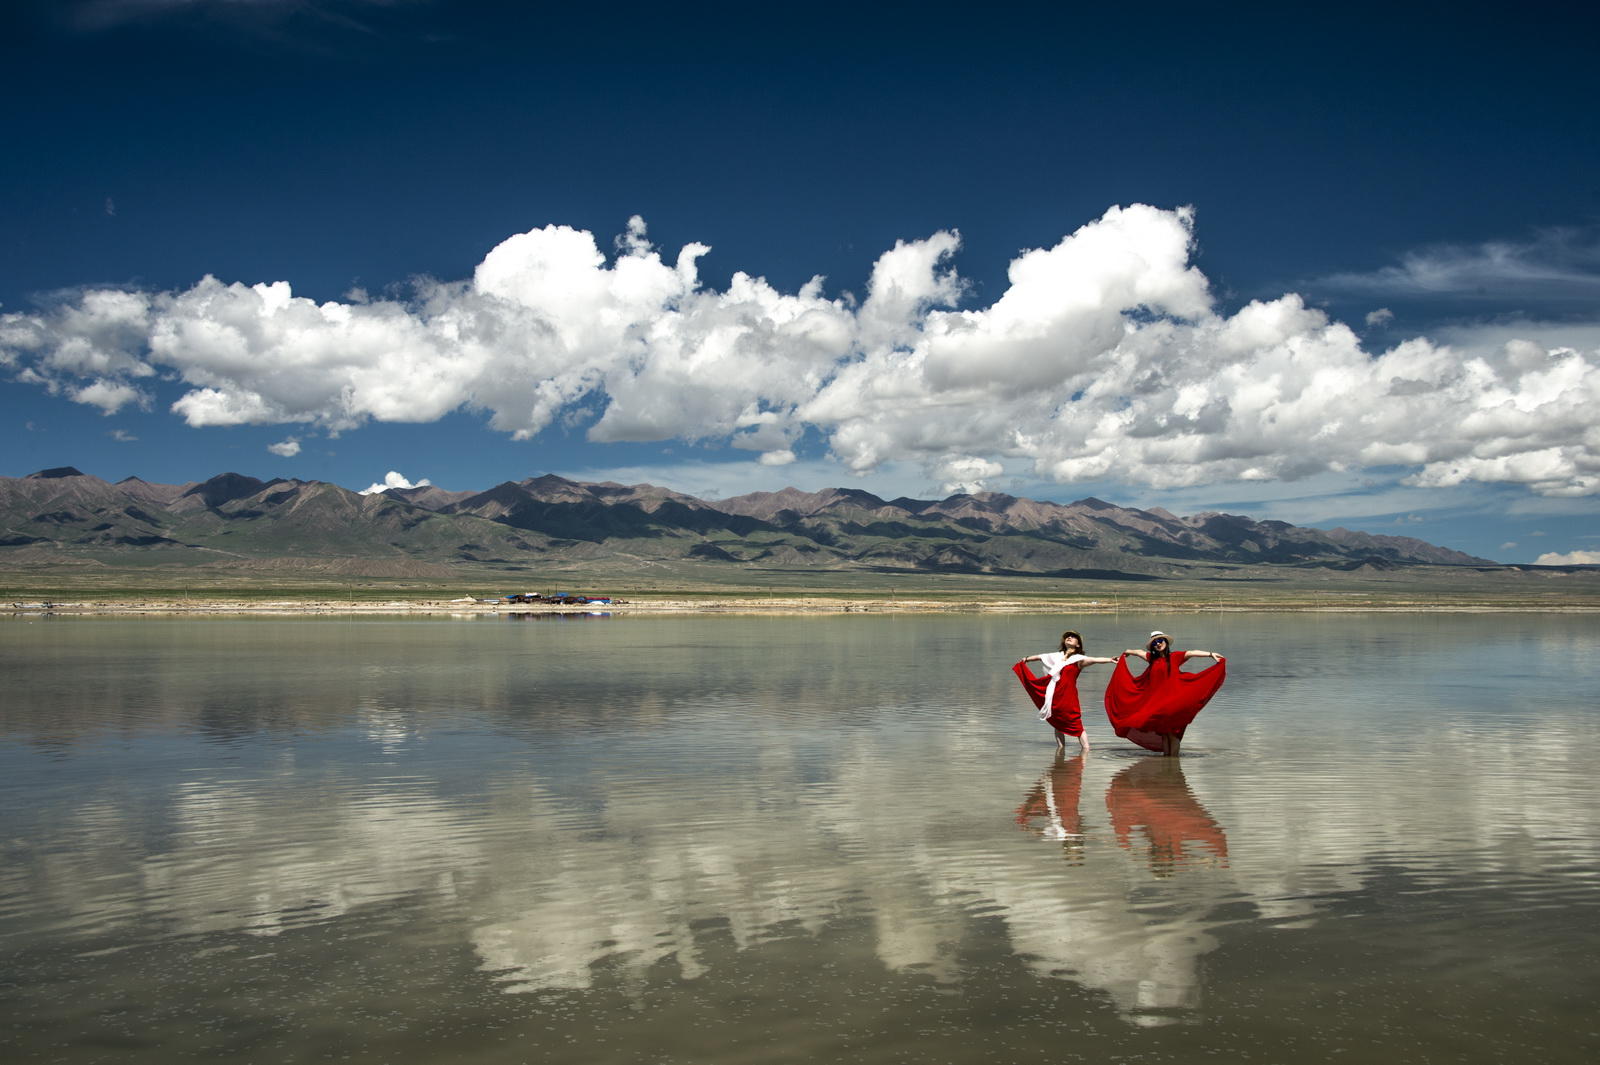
x: 752, y: 839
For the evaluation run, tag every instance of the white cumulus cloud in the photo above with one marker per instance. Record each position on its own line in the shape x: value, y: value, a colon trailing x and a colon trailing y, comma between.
x: 1104, y: 357
x: 109, y: 396
x: 287, y: 448
x: 965, y: 473
x: 1571, y: 558
x: 393, y: 479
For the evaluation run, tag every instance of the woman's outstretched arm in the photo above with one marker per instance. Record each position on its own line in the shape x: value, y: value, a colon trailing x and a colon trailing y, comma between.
x: 1203, y: 654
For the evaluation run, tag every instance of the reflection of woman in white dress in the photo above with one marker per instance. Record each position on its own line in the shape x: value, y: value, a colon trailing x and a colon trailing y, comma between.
x: 1056, y: 693
x: 1051, y: 808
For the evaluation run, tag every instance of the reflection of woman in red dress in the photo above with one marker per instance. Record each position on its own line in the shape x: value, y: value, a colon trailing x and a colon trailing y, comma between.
x: 1056, y: 693
x: 1154, y: 708
x: 1153, y: 798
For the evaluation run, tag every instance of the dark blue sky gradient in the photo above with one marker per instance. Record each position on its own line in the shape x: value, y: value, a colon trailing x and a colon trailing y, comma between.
x: 803, y: 143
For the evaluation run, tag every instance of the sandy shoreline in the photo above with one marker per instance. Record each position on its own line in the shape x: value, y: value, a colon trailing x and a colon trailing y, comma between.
x: 795, y: 605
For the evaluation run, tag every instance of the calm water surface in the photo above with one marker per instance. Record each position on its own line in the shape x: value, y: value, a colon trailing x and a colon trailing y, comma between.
x: 847, y: 838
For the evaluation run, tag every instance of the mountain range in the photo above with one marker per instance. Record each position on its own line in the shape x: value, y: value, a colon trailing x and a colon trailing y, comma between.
x: 236, y: 521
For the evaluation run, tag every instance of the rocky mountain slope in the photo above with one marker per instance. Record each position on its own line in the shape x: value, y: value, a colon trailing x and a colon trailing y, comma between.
x: 61, y: 513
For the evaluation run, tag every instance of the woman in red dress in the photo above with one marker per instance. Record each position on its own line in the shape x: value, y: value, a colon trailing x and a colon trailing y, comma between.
x: 1154, y: 708
x: 1056, y: 693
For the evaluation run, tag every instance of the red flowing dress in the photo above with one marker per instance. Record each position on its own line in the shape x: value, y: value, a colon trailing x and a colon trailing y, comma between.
x: 1161, y: 700
x: 1065, y: 715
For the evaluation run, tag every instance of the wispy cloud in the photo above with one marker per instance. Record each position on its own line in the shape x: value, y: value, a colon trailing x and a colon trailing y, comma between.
x: 1557, y: 266
x: 1484, y: 339
x: 99, y: 15
x: 1103, y: 360
x: 1323, y: 499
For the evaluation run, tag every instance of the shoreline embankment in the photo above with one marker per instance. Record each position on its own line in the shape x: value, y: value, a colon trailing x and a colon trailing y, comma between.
x: 776, y: 605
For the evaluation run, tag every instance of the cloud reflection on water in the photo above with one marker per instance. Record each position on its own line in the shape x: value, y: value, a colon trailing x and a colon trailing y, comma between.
x: 558, y: 851
x: 762, y: 858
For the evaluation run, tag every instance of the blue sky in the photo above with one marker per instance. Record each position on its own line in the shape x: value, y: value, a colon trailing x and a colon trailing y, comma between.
x: 1333, y: 267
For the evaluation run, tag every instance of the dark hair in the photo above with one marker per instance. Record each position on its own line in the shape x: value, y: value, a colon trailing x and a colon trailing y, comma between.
x: 1069, y: 632
x: 1150, y: 648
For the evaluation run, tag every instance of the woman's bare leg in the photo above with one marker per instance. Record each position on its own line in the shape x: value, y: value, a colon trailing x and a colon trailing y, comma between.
x: 1169, y: 745
x: 1061, y: 740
